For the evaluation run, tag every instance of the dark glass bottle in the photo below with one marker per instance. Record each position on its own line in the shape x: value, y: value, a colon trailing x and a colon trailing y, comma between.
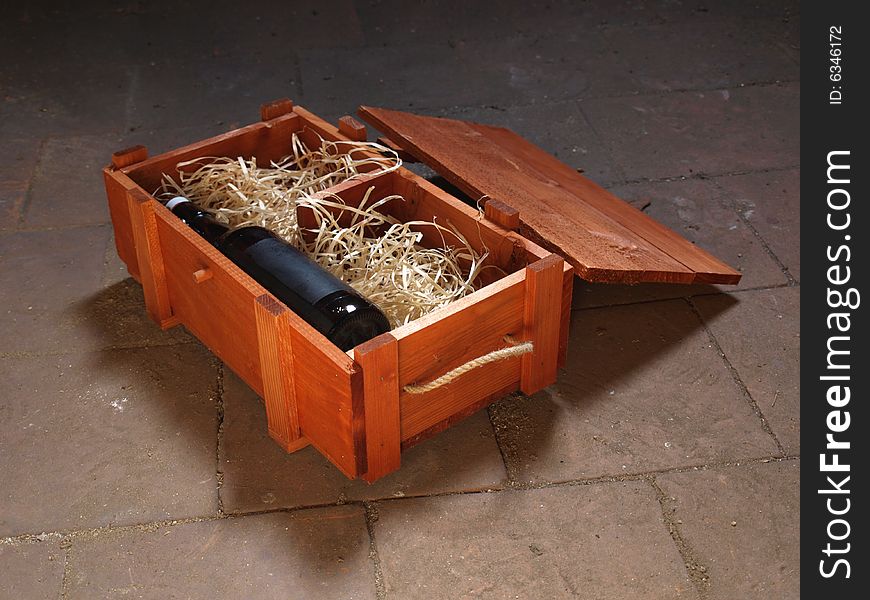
x: 324, y: 301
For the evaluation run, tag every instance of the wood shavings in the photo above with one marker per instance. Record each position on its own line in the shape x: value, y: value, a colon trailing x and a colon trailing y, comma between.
x: 373, y: 252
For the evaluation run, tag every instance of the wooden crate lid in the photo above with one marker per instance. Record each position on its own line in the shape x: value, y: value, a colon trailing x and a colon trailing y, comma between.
x: 603, y: 237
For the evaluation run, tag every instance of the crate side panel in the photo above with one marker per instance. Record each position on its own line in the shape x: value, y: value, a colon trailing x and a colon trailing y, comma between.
x: 219, y: 310
x: 117, y: 186
x: 465, y: 330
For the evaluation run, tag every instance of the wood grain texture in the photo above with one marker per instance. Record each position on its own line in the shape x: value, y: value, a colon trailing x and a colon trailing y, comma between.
x: 378, y: 359
x: 604, y: 238
x: 441, y: 341
x: 117, y: 187
x: 542, y: 322
x: 266, y: 141
x: 129, y: 156
x: 352, y: 129
x: 152, y: 274
x: 275, y: 109
x: 565, y: 326
x: 404, y: 155
x: 277, y: 367
x: 502, y: 214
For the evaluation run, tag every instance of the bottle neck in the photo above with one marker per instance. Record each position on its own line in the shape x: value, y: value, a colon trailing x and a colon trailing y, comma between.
x: 198, y: 219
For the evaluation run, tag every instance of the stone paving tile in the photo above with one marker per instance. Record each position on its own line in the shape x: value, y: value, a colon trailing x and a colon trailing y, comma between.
x: 743, y: 524
x: 643, y: 389
x: 50, y: 287
x: 114, y: 437
x: 17, y: 164
x: 221, y: 92
x: 761, y: 338
x: 512, y: 71
x: 321, y: 553
x: 696, y: 210
x: 710, y: 53
x: 68, y: 187
x: 259, y: 475
x: 596, y: 541
x: 771, y: 203
x: 31, y: 571
x: 712, y: 132
x: 43, y: 97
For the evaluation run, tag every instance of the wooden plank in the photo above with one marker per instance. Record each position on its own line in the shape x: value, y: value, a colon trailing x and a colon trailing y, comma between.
x: 378, y: 358
x: 502, y: 214
x: 458, y: 415
x: 275, y: 109
x: 542, y: 320
x: 152, y: 274
x: 266, y: 141
x: 441, y: 341
x: 221, y: 312
x: 117, y: 187
x: 604, y: 238
x: 352, y: 129
x: 129, y: 156
x: 279, y: 380
x: 404, y: 155
x: 565, y: 325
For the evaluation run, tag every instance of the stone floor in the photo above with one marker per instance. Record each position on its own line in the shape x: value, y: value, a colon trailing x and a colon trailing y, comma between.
x: 664, y: 463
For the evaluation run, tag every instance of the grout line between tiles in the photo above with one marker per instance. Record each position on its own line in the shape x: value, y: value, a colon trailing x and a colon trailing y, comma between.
x: 28, y: 193
x: 735, y: 375
x: 219, y: 405
x: 149, y: 526
x: 696, y: 570
x: 371, y: 516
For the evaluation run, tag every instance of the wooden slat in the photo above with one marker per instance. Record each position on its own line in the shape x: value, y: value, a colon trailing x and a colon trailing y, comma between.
x: 352, y: 128
x: 441, y: 341
x: 564, y: 328
x: 220, y: 312
x: 378, y: 359
x: 129, y: 156
x: 265, y: 140
x: 502, y: 214
x: 604, y: 238
x: 152, y: 274
x: 542, y: 321
x: 279, y: 379
x: 117, y: 187
x: 275, y: 109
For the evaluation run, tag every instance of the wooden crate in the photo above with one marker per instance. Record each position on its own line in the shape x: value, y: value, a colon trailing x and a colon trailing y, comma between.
x: 362, y: 408
x: 353, y: 407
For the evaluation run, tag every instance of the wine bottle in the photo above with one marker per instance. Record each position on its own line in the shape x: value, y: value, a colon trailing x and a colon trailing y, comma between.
x: 323, y: 300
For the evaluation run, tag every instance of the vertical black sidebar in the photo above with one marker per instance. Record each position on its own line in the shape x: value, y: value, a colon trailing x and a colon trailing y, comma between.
x: 835, y: 259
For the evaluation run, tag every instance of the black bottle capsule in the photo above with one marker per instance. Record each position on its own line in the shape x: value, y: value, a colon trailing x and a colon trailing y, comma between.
x: 324, y: 301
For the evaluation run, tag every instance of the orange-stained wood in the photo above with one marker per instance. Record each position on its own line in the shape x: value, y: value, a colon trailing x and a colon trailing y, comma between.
x: 502, y: 214
x: 542, y: 320
x: 118, y: 186
x: 404, y: 155
x: 349, y: 406
x: 276, y: 363
x: 149, y: 256
x: 352, y: 129
x: 129, y: 156
x: 275, y: 109
x: 565, y: 326
x: 441, y: 341
x: 378, y: 359
x: 604, y: 238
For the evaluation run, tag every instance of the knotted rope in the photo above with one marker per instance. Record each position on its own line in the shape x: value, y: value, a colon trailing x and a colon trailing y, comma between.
x: 515, y: 349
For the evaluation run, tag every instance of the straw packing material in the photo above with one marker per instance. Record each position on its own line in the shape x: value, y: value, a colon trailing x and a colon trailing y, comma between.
x: 376, y: 254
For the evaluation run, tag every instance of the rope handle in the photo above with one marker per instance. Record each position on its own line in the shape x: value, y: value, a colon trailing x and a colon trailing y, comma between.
x: 514, y: 349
